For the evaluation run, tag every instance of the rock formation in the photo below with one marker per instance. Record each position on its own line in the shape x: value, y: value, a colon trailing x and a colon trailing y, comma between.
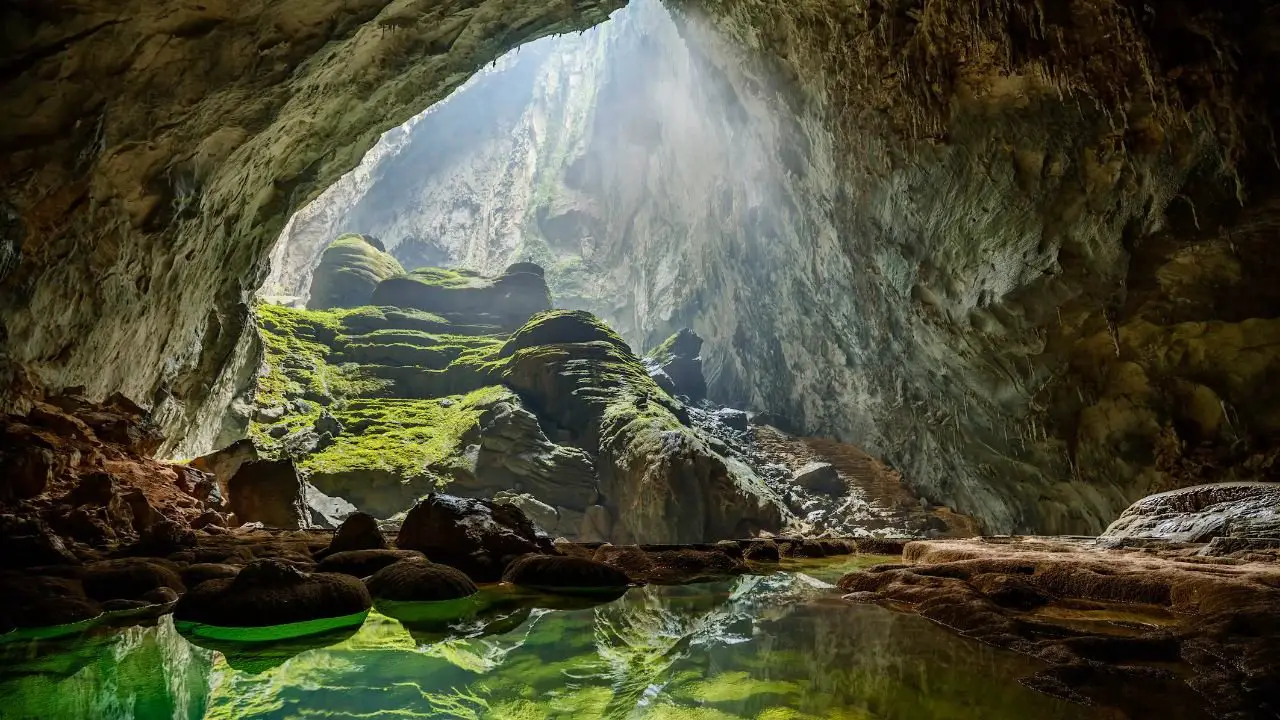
x: 349, y: 270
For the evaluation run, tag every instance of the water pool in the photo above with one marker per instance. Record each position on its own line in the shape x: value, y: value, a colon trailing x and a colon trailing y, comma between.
x: 776, y: 647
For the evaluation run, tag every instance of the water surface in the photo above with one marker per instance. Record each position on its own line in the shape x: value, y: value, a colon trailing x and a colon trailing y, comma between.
x: 778, y: 647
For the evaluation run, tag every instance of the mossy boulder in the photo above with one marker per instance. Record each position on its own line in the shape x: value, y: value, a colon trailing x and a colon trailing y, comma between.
x: 272, y: 592
x: 419, y: 581
x: 478, y: 537
x: 349, y: 271
x: 507, y: 300
x: 559, y: 327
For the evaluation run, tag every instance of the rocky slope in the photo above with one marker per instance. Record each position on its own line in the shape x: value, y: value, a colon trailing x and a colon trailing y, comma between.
x: 447, y: 379
x: 1022, y: 279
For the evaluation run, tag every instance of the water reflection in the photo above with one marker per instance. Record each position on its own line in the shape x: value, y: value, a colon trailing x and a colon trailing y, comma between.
x: 782, y: 647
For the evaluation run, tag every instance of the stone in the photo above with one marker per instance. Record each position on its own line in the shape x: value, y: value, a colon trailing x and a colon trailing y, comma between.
x: 224, y: 463
x: 734, y: 419
x: 28, y: 542
x: 566, y: 575
x: 358, y: 532
x: 478, y: 537
x: 671, y: 564
x: 326, y: 423
x: 363, y: 563
x: 272, y: 592
x: 349, y: 271
x: 207, y: 518
x: 270, y: 492
x: 194, y: 574
x: 25, y: 471
x: 1201, y: 513
x: 324, y: 511
x: 597, y: 524
x: 419, y: 581
x: 141, y: 510
x: 819, y: 477
x: 31, y: 601
x: 129, y: 578
x: 162, y: 538
x: 269, y: 414
x: 543, y: 515
x: 679, y: 357
x: 510, y: 298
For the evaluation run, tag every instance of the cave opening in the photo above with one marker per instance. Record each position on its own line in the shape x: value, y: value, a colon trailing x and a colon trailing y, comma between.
x: 661, y: 358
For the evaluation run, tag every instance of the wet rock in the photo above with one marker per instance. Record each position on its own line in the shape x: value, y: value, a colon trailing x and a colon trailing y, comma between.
x: 360, y: 531
x: 1010, y: 592
x: 819, y: 477
x: 1201, y: 513
x: 762, y: 550
x: 28, y: 601
x: 670, y: 565
x: 679, y: 356
x: 129, y: 578
x: 419, y: 581
x: 270, y: 492
x: 363, y: 563
x: 272, y: 592
x: 542, y: 514
x: 478, y: 537
x: 566, y: 575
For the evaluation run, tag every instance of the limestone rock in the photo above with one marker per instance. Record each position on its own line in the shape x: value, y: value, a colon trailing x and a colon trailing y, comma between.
x: 272, y: 592
x: 566, y: 575
x: 129, y: 578
x: 680, y: 358
x: 819, y: 477
x: 543, y: 515
x: 1202, y: 513
x: 28, y: 601
x: 358, y: 532
x: 28, y: 542
x: 350, y: 268
x: 269, y: 492
x: 597, y: 524
x: 26, y: 472
x: 419, y: 581
x: 478, y: 537
x: 509, y: 299
x: 363, y: 563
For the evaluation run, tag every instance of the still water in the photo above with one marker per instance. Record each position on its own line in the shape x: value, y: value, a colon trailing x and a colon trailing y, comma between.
x: 777, y: 647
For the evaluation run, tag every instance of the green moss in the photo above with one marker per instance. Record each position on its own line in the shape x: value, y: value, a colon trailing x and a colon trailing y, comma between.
x: 447, y: 277
x: 350, y: 268
x: 406, y: 437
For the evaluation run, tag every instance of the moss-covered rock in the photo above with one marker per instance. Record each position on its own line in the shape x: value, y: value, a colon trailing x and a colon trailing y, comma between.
x: 508, y: 299
x: 679, y: 358
x: 350, y: 268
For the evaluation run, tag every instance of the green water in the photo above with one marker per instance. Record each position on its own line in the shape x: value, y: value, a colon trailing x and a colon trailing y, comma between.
x: 779, y: 647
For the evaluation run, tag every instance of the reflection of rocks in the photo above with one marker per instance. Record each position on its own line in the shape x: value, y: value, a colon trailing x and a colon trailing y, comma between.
x: 1201, y: 513
x: 1056, y: 599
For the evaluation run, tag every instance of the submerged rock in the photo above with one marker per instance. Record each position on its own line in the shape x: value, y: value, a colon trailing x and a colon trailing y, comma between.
x: 272, y: 592
x: 478, y: 537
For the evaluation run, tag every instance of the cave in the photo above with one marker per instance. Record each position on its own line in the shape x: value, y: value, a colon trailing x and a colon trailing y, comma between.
x: 640, y: 358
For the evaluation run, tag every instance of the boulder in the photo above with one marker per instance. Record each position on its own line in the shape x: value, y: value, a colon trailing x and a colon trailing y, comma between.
x: 193, y: 575
x: 671, y: 564
x: 478, y: 537
x: 269, y: 492
x: 224, y: 463
x: 272, y: 592
x: 819, y: 477
x: 327, y: 424
x: 129, y: 578
x: 419, y: 581
x: 358, y: 532
x: 566, y: 575
x: 349, y: 271
x: 679, y: 357
x: 1201, y: 513
x: 737, y: 420
x: 542, y: 514
x: 324, y: 511
x: 363, y: 563
x: 30, y: 601
x: 164, y: 537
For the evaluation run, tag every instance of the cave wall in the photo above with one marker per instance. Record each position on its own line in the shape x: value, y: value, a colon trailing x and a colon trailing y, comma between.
x: 152, y: 152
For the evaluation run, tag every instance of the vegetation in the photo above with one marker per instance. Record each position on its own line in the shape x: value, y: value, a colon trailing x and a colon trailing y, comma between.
x: 349, y: 270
